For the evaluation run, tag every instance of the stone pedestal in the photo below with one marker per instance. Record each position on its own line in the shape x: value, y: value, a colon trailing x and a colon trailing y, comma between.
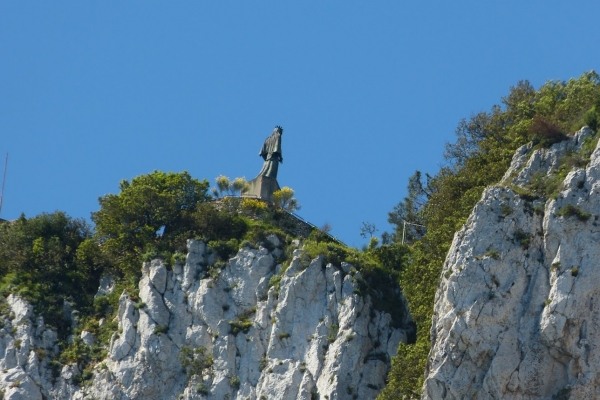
x: 262, y: 187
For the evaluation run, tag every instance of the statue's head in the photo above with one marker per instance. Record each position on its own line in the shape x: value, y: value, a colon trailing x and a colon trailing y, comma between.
x: 278, y: 129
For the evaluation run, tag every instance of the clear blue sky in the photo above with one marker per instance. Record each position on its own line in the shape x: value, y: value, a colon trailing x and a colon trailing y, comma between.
x: 368, y: 92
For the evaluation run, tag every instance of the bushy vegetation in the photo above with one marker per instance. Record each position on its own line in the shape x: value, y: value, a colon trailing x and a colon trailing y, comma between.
x: 379, y: 267
x: 52, y: 258
x: 241, y: 324
x: 573, y: 211
x: 481, y: 154
x: 152, y: 213
x: 49, y: 259
x: 195, y: 361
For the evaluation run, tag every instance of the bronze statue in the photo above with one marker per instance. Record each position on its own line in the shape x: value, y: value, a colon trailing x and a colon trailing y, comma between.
x: 271, y: 153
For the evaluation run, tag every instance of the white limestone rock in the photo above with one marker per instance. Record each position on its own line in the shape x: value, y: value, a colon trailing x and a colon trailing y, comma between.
x: 518, y: 306
x: 316, y: 337
x: 88, y: 338
x: 158, y: 275
x: 107, y: 286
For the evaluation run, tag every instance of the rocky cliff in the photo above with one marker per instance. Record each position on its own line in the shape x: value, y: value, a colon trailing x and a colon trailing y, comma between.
x: 232, y: 336
x: 517, y: 311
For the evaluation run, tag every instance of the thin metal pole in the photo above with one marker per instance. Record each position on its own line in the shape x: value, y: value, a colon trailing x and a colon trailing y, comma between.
x: 404, y: 228
x: 3, y: 180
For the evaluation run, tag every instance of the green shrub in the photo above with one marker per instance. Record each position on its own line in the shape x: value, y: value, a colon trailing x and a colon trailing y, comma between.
x: 234, y: 382
x: 333, y: 331
x: 47, y: 259
x: 523, y: 238
x: 160, y: 329
x: 241, y: 324
x: 224, y: 248
x: 151, y: 210
x: 247, y: 244
x: 275, y: 282
x: 101, y: 306
x: 195, y: 361
x: 573, y: 211
x: 178, y: 258
x: 214, y: 224
x: 201, y: 388
x: 591, y: 118
x: 505, y: 209
x: 493, y: 254
x: 139, y: 304
x: 263, y: 362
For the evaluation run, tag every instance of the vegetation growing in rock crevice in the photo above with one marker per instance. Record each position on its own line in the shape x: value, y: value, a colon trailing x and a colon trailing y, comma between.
x: 479, y: 157
x: 573, y: 211
x: 195, y: 361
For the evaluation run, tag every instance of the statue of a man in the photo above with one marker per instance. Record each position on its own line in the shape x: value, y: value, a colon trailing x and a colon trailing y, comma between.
x: 271, y: 153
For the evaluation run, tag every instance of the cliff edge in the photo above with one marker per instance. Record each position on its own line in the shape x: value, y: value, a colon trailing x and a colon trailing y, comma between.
x: 258, y: 330
x: 518, y: 307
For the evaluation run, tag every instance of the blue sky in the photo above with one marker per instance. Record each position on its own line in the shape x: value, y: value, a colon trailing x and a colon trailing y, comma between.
x: 368, y: 92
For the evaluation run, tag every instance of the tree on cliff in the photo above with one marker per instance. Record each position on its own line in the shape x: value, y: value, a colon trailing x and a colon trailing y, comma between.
x: 152, y: 210
x: 47, y: 259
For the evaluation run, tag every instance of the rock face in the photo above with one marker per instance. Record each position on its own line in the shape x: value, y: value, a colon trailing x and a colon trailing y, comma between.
x: 517, y: 312
x: 191, y: 336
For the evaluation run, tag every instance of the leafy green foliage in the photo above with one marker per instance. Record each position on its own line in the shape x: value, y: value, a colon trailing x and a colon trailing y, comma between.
x: 481, y: 154
x: 213, y: 224
x: 151, y: 211
x: 47, y: 259
x: 160, y: 329
x: 549, y: 186
x: 379, y: 267
x: 573, y: 211
x: 195, y: 361
x: 224, y: 248
x: 241, y: 324
x: 493, y: 254
x: 234, y: 382
x: 522, y: 238
x: 591, y: 118
x: 333, y: 332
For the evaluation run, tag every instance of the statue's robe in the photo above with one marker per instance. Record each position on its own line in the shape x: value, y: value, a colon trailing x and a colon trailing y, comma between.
x: 271, y: 153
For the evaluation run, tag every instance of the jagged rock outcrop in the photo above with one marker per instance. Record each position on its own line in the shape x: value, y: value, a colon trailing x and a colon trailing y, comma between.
x: 316, y: 338
x: 517, y: 312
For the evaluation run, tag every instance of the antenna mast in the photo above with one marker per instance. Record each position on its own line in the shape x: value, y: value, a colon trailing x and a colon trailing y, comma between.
x: 3, y: 180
